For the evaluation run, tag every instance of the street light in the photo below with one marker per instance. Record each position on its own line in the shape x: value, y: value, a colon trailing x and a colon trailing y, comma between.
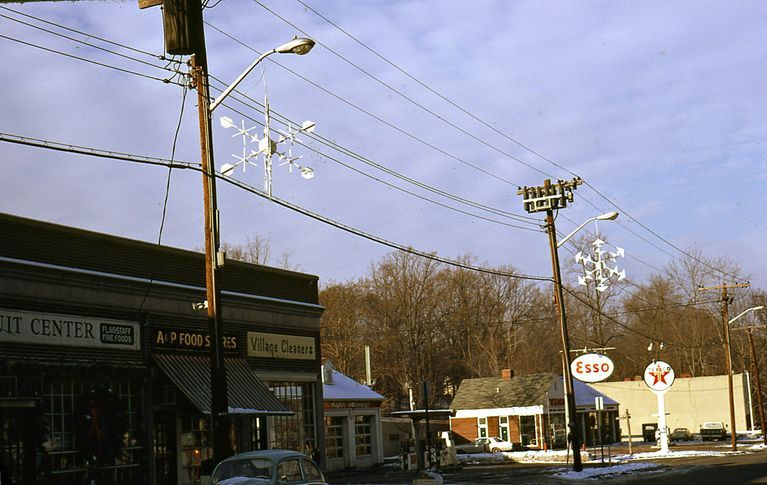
x: 299, y: 45
x: 568, y: 376
x: 214, y: 259
x: 728, y: 358
x: 607, y: 216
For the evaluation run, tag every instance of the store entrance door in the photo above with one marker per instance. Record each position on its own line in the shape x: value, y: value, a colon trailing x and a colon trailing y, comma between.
x: 20, y: 439
x: 165, y: 456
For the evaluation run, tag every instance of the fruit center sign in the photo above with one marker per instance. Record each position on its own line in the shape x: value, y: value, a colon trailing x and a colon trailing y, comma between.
x: 592, y: 367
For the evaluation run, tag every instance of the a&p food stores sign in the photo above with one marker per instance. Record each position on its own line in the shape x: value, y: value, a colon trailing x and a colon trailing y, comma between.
x: 56, y: 329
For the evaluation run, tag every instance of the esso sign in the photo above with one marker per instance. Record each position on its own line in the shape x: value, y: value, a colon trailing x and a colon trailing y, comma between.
x: 592, y: 367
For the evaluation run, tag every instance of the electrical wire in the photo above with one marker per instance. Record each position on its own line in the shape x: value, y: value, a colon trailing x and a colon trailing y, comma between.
x: 494, y: 129
x: 101, y: 64
x: 4, y: 137
x: 379, y: 180
x: 165, y: 200
x: 371, y: 115
x: 409, y: 99
x: 119, y: 54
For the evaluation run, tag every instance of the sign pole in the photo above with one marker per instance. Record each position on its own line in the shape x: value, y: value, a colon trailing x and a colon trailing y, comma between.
x: 659, y: 376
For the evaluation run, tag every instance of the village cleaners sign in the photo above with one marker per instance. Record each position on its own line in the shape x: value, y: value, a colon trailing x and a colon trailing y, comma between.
x: 56, y: 329
x: 279, y: 346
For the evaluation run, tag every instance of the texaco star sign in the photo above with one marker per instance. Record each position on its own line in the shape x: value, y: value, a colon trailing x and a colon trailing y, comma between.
x: 659, y: 376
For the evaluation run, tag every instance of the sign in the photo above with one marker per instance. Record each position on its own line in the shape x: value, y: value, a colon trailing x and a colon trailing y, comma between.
x: 190, y: 339
x: 599, y: 403
x: 659, y: 376
x: 279, y: 346
x: 592, y: 367
x: 351, y: 404
x: 70, y: 330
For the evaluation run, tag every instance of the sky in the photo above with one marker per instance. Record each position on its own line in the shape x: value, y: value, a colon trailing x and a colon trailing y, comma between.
x: 658, y: 106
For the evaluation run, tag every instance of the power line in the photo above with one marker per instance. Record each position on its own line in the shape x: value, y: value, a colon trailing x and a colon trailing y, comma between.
x: 101, y: 64
x: 411, y: 100
x: 125, y: 56
x: 388, y: 184
x: 248, y: 188
x: 368, y: 113
x: 493, y: 128
x: 86, y: 34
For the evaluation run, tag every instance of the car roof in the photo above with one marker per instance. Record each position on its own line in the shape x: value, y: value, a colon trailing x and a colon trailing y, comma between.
x: 274, y: 455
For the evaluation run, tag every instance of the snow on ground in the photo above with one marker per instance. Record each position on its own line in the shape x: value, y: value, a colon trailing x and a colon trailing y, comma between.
x: 561, y: 456
x: 607, y: 472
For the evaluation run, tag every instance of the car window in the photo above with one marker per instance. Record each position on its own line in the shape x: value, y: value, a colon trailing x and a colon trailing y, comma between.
x: 289, y: 471
x: 245, y: 468
x: 311, y: 472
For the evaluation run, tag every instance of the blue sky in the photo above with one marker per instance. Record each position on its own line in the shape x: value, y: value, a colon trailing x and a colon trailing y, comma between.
x: 659, y: 106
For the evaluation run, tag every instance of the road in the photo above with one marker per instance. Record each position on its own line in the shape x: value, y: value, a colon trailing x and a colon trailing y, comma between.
x: 746, y: 468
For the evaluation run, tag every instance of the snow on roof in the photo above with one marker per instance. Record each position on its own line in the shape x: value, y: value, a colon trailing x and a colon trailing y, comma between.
x: 345, y: 388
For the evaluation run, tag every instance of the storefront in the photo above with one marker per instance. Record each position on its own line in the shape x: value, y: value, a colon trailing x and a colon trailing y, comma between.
x: 353, y: 436
x: 104, y: 370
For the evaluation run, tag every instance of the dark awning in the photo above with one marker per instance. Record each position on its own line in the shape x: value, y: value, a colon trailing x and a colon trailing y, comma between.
x: 246, y: 393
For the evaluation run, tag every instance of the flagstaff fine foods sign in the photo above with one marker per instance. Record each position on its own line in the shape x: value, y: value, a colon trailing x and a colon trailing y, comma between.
x: 279, y: 346
x: 56, y: 329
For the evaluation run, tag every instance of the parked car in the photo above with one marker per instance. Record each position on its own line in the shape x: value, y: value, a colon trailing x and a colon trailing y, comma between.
x: 267, y: 467
x: 483, y: 445
x: 712, y: 431
x: 681, y: 434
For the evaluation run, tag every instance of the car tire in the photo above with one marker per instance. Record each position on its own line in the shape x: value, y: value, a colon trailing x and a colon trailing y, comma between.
x: 496, y: 450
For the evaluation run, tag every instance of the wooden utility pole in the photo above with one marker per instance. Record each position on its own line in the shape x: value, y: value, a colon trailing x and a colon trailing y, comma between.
x: 548, y: 198
x: 727, y: 353
x: 627, y: 417
x: 755, y: 373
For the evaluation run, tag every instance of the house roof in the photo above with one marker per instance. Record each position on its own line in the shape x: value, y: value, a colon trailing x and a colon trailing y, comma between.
x: 498, y: 392
x: 346, y: 388
x: 585, y: 394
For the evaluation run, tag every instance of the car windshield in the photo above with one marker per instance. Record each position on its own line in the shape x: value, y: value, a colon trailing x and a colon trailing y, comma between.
x: 244, y: 471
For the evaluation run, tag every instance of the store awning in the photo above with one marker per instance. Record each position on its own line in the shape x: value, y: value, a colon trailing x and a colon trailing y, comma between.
x: 246, y: 393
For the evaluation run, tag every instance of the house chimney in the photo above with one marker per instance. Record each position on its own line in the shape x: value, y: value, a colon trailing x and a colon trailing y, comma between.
x: 507, y: 374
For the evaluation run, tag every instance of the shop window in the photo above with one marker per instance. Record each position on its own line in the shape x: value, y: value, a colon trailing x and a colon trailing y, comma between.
x: 503, y: 427
x: 363, y: 436
x: 482, y: 427
x: 334, y: 436
x: 92, y: 424
x: 196, y: 447
x: 294, y: 432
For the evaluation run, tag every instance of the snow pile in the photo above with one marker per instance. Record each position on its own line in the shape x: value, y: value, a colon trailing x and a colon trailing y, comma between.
x: 531, y: 456
x: 653, y: 455
x: 760, y: 446
x: 608, y: 471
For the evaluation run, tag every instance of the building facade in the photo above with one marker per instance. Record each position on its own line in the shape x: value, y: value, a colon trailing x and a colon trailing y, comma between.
x: 689, y: 402
x: 353, y: 433
x: 104, y: 364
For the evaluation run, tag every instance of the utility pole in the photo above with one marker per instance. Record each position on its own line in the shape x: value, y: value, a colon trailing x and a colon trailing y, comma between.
x: 548, y: 198
x: 219, y: 409
x: 755, y: 371
x: 728, y: 357
x: 627, y: 417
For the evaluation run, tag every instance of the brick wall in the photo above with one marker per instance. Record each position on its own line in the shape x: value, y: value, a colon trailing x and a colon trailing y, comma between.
x: 464, y: 430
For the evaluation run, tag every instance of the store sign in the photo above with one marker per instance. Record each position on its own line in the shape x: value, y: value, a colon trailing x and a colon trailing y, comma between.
x: 186, y: 339
x: 71, y: 330
x: 351, y: 404
x: 659, y: 376
x: 279, y: 346
x: 592, y: 367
